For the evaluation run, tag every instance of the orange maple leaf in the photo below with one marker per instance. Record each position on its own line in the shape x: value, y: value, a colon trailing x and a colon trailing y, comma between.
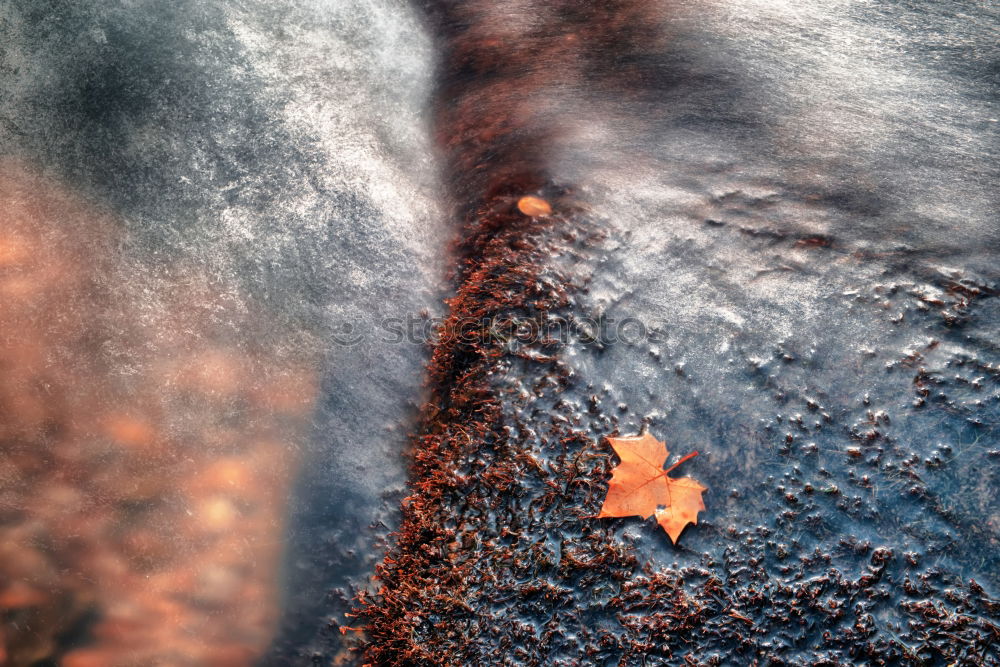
x: 640, y: 486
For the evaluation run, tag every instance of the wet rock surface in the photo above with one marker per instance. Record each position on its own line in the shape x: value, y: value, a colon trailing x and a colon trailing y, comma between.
x: 831, y: 354
x: 851, y: 522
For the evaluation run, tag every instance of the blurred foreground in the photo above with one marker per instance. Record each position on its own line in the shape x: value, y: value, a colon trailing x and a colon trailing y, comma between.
x: 148, y: 442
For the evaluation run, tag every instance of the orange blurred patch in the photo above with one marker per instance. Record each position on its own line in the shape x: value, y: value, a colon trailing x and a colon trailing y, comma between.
x: 534, y: 206
x: 130, y: 431
x: 13, y: 251
x: 19, y: 594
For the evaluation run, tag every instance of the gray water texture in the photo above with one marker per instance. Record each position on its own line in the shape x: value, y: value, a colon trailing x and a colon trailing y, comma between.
x: 797, y: 200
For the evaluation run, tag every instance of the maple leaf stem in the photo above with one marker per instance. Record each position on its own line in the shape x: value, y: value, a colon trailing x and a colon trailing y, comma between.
x: 683, y: 459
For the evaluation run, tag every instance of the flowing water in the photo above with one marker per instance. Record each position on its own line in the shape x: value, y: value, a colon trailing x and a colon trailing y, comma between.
x: 228, y: 230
